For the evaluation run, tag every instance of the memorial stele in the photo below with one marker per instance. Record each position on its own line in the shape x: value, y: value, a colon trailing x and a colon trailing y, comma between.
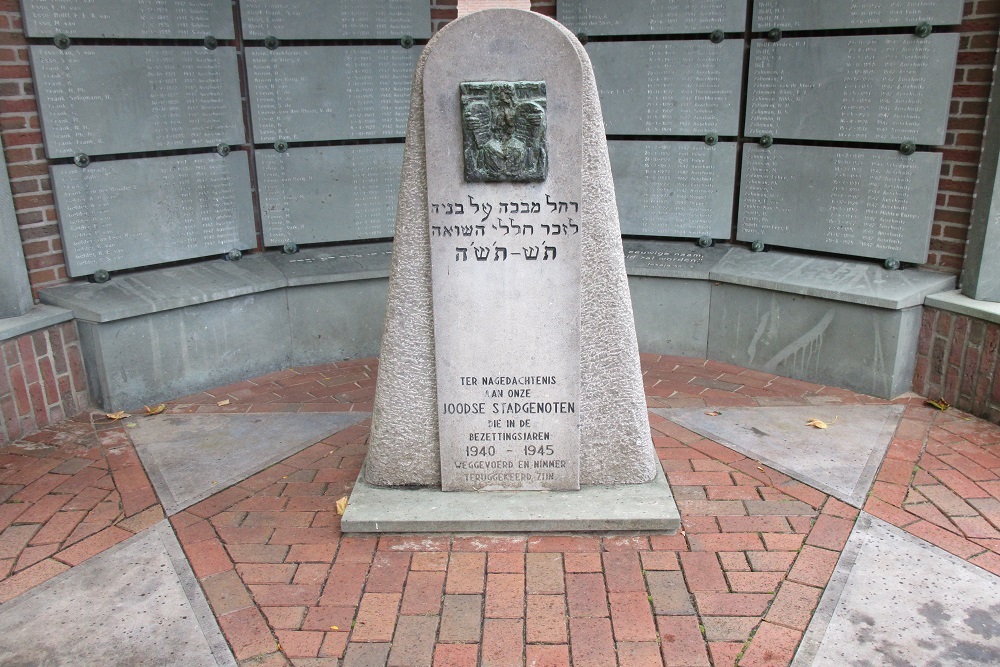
x: 509, y: 394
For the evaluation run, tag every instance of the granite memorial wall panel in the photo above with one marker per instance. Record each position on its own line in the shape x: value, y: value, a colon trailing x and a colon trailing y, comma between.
x: 329, y: 193
x: 836, y: 14
x: 656, y: 17
x: 325, y: 19
x: 885, y: 88
x: 685, y: 87
x: 674, y: 188
x: 144, y: 19
x: 119, y: 99
x: 121, y: 214
x: 861, y: 202
x: 318, y: 93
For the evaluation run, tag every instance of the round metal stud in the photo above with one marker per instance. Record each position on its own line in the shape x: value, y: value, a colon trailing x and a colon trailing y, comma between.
x: 233, y: 255
x: 281, y: 146
x: 100, y: 276
x: 717, y: 36
x: 290, y: 248
x: 81, y: 160
x: 766, y: 140
x: 223, y: 149
x: 711, y: 138
x: 758, y: 246
x: 907, y: 148
x: 583, y: 37
x: 891, y: 264
x: 774, y: 35
x: 61, y: 41
x: 706, y: 242
x: 271, y: 42
x: 406, y: 42
x: 210, y: 43
x: 923, y: 30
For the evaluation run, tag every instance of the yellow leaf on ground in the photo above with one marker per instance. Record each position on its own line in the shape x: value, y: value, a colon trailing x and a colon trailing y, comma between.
x: 115, y: 416
x: 940, y: 403
x: 342, y: 506
x: 713, y: 413
x: 221, y: 403
x: 155, y: 411
x: 334, y: 627
x: 817, y: 423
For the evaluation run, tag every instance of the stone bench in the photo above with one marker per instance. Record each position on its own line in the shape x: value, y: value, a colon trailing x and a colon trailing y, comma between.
x: 163, y: 333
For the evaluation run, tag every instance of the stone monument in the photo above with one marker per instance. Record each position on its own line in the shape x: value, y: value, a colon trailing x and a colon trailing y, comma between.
x: 509, y: 395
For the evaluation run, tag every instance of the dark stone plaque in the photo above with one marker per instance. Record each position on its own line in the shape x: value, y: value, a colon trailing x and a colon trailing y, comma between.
x: 676, y: 87
x: 167, y: 19
x: 833, y: 14
x: 886, y: 88
x: 119, y: 99
x: 853, y: 201
x: 329, y: 193
x: 318, y: 93
x: 324, y: 19
x: 503, y: 131
x: 656, y: 17
x: 674, y: 188
x: 127, y: 213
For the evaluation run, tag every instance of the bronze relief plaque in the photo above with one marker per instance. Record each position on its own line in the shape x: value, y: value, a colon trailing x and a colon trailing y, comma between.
x: 504, y: 128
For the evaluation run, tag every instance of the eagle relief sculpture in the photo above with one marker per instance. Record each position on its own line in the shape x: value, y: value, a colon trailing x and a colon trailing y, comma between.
x: 503, y: 125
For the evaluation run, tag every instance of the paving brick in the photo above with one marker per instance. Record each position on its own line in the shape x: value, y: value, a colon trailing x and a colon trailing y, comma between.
x: 544, y: 573
x: 754, y: 524
x: 725, y: 653
x: 422, y: 594
x: 29, y: 578
x: 658, y: 560
x: 15, y: 539
x: 585, y: 562
x: 461, y: 618
x: 502, y: 644
x: 44, y: 509
x: 586, y: 595
x: 491, y: 543
x: 456, y: 655
x: 58, y: 528
x: 772, y: 645
x: 287, y: 618
x: 729, y: 628
x: 208, y: 557
x: 277, y: 595
x: 327, y: 618
x: 755, y: 582
x: 783, y: 541
x: 734, y: 561
x: 813, y: 566
x: 682, y: 644
x: 639, y: 654
x: 547, y: 656
x: 311, y: 553
x: 334, y: 645
x: 732, y: 604
x: 622, y: 572
x: 388, y: 572
x: 344, y: 585
x: 794, y: 605
x: 703, y: 571
x: 726, y: 542
x: 505, y: 562
x: 504, y: 596
x: 92, y: 546
x: 466, y: 573
x: 670, y: 595
x: 413, y: 643
x: 226, y: 592
x: 546, y: 619
x: 948, y: 541
x: 429, y: 561
x: 591, y: 642
x: 376, y: 617
x: 300, y: 644
x: 947, y: 501
x: 257, y: 553
x: 356, y: 550
x: 247, y: 633
x: 631, y: 617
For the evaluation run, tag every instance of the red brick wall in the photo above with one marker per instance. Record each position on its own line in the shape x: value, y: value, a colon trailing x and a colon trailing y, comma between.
x: 42, y: 380
x: 443, y: 11
x: 958, y: 358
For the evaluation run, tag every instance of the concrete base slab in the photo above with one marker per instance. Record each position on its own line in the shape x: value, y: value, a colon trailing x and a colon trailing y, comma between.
x: 137, y: 603
x: 190, y: 457
x: 897, y: 600
x: 841, y: 460
x: 649, y: 506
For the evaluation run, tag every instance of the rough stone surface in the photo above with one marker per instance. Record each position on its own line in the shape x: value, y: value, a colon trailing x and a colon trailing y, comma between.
x: 615, y: 442
x: 15, y: 292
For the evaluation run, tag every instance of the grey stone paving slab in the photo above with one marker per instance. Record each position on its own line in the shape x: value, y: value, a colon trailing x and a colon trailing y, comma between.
x: 840, y: 460
x: 190, y: 457
x: 897, y: 600
x: 137, y: 603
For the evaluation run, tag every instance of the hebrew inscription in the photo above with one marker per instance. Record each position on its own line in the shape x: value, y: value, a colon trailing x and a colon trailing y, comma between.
x: 675, y: 87
x: 126, y: 213
x: 118, y: 99
x: 674, y: 188
x: 167, y: 19
x: 861, y: 202
x: 656, y: 17
x: 503, y: 130
x: 325, y: 19
x: 318, y: 93
x: 889, y: 88
x: 833, y: 14
x: 329, y: 193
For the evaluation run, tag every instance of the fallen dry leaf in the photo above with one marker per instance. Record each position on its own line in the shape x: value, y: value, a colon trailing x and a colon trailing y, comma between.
x: 115, y: 416
x: 155, y: 411
x: 221, y: 403
x: 817, y: 423
x: 342, y: 506
x: 334, y: 627
x: 713, y: 413
x: 940, y: 403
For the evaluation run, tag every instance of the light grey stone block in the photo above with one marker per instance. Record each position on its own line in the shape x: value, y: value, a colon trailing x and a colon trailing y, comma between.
x: 15, y: 291
x: 321, y: 19
x: 834, y: 14
x: 318, y: 93
x: 853, y: 201
x: 167, y: 19
x: 886, y: 88
x: 120, y: 99
x: 672, y: 87
x: 328, y: 193
x: 863, y: 348
x: 201, y: 204
x: 337, y: 320
x: 637, y: 17
x: 152, y: 358
x: 374, y: 509
x: 39, y: 317
x: 671, y: 259
x: 863, y: 283
x: 674, y: 188
x: 671, y: 315
x: 955, y: 302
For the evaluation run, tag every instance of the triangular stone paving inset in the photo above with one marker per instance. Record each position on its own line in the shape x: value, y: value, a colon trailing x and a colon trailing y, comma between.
x: 897, y: 600
x: 841, y: 460
x: 137, y: 603
x: 190, y: 457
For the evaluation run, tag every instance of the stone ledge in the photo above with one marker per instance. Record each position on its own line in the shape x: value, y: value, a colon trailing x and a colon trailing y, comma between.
x: 671, y: 259
x: 956, y: 302
x: 39, y: 317
x: 630, y: 507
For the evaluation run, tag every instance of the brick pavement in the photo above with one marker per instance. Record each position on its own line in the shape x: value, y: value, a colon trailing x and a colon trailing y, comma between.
x: 737, y: 585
